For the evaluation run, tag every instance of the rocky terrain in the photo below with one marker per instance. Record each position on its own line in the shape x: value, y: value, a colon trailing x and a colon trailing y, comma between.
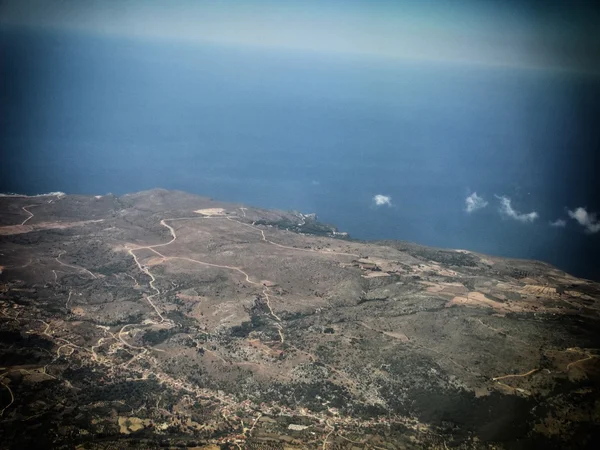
x: 163, y: 319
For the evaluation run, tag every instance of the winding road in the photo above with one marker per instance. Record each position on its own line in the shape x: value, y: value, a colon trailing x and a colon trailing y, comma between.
x: 173, y: 233
x: 24, y: 208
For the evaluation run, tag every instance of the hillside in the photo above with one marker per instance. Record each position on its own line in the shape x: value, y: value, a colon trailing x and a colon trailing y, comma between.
x: 166, y: 319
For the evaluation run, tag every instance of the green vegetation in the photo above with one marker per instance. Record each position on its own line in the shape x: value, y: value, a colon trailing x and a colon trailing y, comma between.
x: 159, y: 336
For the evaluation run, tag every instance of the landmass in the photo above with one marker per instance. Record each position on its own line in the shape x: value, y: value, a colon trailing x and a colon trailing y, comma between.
x: 162, y: 319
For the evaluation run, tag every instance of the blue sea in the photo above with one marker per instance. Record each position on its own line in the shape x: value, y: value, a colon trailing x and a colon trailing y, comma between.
x: 311, y: 132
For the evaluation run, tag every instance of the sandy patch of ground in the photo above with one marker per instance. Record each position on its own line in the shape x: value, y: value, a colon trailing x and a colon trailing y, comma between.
x: 211, y: 211
x: 433, y: 287
x: 132, y: 424
x: 478, y: 299
x: 396, y: 335
x: 154, y: 261
x: 376, y: 274
x: 213, y: 312
x: 451, y: 289
x: 423, y: 268
x: 539, y: 290
x: 78, y: 311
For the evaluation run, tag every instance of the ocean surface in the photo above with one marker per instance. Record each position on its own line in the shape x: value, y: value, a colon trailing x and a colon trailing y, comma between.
x: 310, y: 132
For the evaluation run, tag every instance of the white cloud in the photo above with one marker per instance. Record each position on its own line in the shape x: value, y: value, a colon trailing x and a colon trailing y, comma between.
x: 587, y: 220
x: 507, y: 210
x: 474, y: 202
x: 558, y: 223
x: 381, y: 200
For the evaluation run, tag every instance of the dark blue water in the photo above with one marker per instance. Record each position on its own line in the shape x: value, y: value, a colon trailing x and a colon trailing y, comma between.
x: 314, y: 133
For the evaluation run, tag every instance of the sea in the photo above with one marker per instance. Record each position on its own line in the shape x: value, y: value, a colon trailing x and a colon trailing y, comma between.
x: 311, y: 132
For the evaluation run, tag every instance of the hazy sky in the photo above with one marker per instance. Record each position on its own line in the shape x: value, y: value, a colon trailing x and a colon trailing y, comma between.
x: 552, y: 34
